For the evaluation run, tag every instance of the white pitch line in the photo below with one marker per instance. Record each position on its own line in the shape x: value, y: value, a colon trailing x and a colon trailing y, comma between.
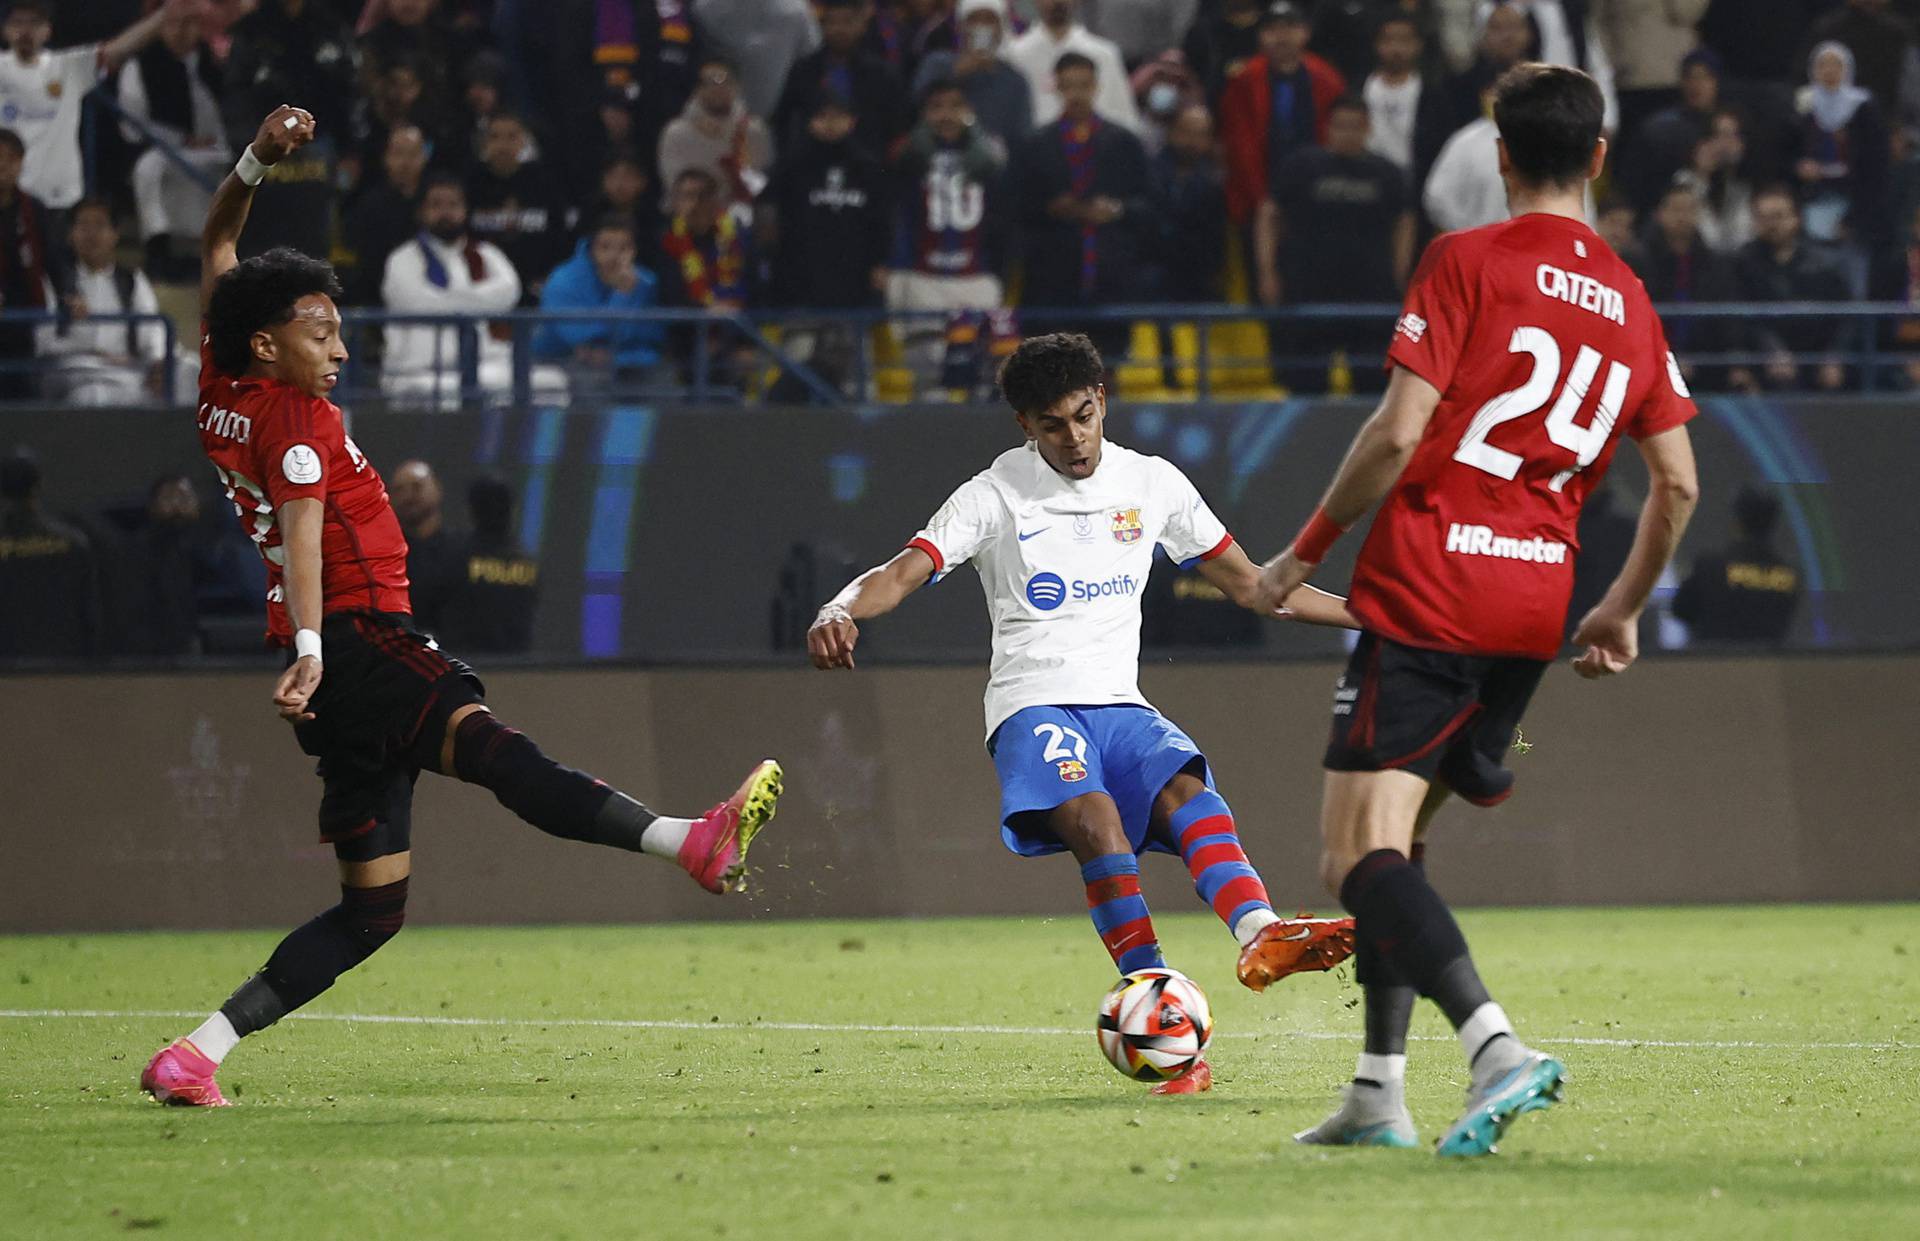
x: 826, y: 1027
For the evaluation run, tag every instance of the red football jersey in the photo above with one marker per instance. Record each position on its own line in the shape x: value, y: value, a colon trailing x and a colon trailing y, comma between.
x: 271, y: 443
x: 1545, y: 348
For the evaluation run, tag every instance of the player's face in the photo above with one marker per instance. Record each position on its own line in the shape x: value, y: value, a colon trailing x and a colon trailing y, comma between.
x: 27, y: 32
x: 1069, y: 432
x: 307, y: 350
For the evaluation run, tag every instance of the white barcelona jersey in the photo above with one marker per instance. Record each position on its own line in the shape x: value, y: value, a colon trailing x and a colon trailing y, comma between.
x: 41, y: 103
x: 1063, y: 564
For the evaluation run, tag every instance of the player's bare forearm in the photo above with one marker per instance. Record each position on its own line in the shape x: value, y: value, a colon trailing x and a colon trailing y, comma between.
x: 1381, y: 450
x: 286, y: 129
x: 1672, y: 494
x: 834, y: 633
x: 300, y: 526
x: 1312, y: 606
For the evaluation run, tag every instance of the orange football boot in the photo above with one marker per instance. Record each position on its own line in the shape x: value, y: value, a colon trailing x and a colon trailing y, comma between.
x: 1294, y: 945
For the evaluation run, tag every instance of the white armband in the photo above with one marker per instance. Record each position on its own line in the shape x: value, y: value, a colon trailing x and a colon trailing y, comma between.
x: 307, y: 642
x: 250, y: 170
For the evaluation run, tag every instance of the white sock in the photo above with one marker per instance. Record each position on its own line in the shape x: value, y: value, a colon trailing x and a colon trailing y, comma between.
x: 1252, y: 923
x: 663, y: 837
x: 215, y: 1037
x: 1389, y: 1071
x: 1488, y: 1022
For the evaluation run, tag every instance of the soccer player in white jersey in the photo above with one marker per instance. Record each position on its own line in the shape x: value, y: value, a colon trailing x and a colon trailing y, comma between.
x: 1062, y: 531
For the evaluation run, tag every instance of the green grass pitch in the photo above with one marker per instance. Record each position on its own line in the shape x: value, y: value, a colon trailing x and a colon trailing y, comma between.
x: 1750, y: 1073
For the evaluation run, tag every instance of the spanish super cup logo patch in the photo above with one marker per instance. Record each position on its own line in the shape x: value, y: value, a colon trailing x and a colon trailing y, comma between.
x: 1126, y: 525
x: 1072, y: 770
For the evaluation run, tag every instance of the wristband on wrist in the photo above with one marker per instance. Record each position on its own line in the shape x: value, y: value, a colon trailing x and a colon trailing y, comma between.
x: 306, y: 642
x: 1316, y: 538
x: 250, y: 170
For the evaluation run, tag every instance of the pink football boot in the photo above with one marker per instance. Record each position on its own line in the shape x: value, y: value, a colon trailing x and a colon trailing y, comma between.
x: 715, y: 851
x: 179, y: 1074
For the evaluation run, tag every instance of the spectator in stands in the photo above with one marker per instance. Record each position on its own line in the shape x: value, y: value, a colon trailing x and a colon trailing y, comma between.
x: 1568, y: 36
x: 483, y: 93
x: 997, y: 92
x: 173, y: 88
x: 603, y: 274
x: 905, y: 32
x: 627, y: 191
x: 48, y: 573
x: 1678, y: 267
x: 1650, y: 43
x: 1084, y: 190
x: 1876, y: 41
x: 1716, y: 172
x: 1222, y: 39
x: 1340, y: 228
x: 445, y: 271
x: 1617, y: 222
x: 26, y: 261
x: 1507, y: 37
x: 761, y: 40
x: 828, y: 223
x: 1143, y: 29
x: 385, y: 215
x: 397, y: 99
x: 1842, y: 167
x: 1779, y: 265
x: 1749, y: 592
x: 1896, y: 278
x: 1278, y: 102
x: 1163, y: 88
x: 1760, y: 42
x: 494, y: 597
x: 1037, y: 54
x: 844, y: 69
x: 42, y: 92
x: 717, y: 134
x: 161, y: 569
x: 434, y: 570
x: 1410, y: 111
x: 1663, y: 144
x: 950, y: 241
x: 108, y: 363
x: 290, y: 50
x: 1464, y: 188
x: 512, y: 204
x: 707, y: 262
x: 1187, y: 257
x: 417, y: 33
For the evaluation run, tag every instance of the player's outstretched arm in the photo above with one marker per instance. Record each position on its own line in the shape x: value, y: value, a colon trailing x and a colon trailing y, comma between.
x: 1238, y: 578
x: 300, y: 525
x: 1611, y: 632
x: 285, y: 131
x: 1379, y: 454
x: 879, y: 590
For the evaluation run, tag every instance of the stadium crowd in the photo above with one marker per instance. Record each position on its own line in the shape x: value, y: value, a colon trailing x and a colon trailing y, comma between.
x: 940, y: 155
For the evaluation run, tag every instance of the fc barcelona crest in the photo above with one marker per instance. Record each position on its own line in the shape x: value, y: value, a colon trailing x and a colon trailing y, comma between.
x: 1072, y: 770
x: 1126, y: 525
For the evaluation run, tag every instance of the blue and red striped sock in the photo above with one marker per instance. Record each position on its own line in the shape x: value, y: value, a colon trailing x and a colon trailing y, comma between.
x: 1210, y: 846
x: 1120, y: 912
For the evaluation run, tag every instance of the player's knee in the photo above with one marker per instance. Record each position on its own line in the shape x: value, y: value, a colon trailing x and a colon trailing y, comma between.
x: 1335, y: 865
x: 372, y: 916
x: 505, y: 761
x: 1088, y: 827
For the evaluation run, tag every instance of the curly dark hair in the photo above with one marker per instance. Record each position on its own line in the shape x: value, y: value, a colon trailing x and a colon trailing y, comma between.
x: 1046, y: 368
x: 259, y: 294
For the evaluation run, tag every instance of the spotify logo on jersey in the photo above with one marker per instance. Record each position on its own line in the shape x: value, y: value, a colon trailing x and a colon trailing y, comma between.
x: 1046, y: 591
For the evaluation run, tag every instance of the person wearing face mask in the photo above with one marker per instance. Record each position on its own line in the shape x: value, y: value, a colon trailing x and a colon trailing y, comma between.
x: 998, y: 93
x: 1164, y: 88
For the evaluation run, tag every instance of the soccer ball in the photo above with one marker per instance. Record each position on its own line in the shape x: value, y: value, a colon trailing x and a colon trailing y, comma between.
x: 1154, y: 1025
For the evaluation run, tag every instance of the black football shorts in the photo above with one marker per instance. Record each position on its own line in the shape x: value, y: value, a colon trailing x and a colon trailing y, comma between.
x: 380, y: 716
x: 1447, y: 717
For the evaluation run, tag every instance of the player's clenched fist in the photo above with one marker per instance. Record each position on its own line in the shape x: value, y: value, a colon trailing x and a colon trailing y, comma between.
x: 831, y: 640
x: 285, y: 131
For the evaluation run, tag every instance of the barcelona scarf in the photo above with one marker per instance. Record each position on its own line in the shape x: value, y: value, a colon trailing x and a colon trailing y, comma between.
x: 717, y: 286
x: 1077, y: 141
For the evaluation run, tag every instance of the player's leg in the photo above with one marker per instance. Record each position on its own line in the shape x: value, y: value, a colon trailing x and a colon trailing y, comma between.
x: 368, y: 819
x: 477, y: 748
x: 1190, y: 814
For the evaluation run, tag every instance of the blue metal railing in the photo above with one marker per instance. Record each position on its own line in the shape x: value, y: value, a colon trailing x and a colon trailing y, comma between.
x: 28, y: 361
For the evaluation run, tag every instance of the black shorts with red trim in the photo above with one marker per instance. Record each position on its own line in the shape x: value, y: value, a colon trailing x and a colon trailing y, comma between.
x: 380, y: 716
x: 1447, y: 717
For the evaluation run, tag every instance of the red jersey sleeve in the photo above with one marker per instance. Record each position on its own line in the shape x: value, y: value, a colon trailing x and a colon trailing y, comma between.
x: 1667, y: 404
x: 300, y: 445
x: 1432, y: 330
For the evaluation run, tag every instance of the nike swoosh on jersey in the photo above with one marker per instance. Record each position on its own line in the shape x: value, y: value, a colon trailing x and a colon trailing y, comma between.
x: 1031, y: 534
